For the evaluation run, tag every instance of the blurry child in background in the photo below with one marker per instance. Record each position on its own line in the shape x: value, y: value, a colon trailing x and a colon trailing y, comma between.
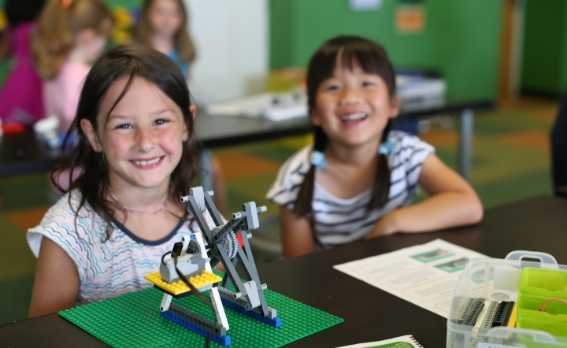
x: 164, y: 26
x: 358, y: 179
x: 21, y: 97
x: 135, y: 122
x: 69, y: 36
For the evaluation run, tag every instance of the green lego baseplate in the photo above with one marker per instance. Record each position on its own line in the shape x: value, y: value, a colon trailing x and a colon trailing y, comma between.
x: 133, y: 320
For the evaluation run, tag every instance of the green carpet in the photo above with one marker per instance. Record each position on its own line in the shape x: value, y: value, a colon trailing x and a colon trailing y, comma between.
x: 17, y: 266
x: 510, y: 162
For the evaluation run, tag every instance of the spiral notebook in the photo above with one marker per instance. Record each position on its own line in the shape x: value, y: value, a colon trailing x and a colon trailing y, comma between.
x: 407, y: 341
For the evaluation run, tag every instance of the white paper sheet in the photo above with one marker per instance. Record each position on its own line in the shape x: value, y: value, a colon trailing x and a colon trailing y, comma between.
x: 424, y: 275
x: 409, y: 340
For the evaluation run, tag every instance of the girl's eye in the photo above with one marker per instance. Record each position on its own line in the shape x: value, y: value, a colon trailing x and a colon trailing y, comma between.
x: 331, y: 87
x: 123, y: 126
x: 162, y: 121
x: 368, y: 83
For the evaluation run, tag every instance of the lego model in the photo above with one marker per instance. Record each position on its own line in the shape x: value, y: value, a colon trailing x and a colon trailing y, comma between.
x: 187, y: 269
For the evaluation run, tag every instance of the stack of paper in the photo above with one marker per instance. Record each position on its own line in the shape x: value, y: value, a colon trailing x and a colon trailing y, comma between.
x: 425, y: 275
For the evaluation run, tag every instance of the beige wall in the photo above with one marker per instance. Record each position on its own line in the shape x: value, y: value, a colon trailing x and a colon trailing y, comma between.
x: 232, y: 48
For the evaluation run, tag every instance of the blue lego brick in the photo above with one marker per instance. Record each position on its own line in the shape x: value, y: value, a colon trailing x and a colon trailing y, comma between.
x: 275, y: 322
x: 223, y: 340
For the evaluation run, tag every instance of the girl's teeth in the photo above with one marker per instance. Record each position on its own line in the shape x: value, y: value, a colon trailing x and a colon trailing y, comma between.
x: 147, y: 162
x: 354, y: 117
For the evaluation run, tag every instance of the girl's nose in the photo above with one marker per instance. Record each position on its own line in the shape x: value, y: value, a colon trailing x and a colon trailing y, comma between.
x: 349, y: 96
x: 144, y: 140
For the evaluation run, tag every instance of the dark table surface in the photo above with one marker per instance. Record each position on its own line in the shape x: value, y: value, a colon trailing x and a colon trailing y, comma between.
x: 215, y: 130
x: 538, y: 224
x: 22, y: 154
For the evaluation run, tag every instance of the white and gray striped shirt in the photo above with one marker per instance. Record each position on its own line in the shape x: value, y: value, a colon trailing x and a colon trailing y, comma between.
x: 107, y: 268
x: 339, y: 220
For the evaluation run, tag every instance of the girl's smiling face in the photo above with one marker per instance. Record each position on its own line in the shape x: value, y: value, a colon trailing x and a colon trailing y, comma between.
x: 142, y: 138
x: 353, y: 107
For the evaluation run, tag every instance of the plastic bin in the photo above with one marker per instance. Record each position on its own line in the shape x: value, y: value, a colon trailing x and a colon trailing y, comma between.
x: 530, y: 279
x: 542, y: 300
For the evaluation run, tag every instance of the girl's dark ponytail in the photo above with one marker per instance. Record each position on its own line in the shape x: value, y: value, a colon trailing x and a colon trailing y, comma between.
x: 303, y: 203
x: 382, y: 179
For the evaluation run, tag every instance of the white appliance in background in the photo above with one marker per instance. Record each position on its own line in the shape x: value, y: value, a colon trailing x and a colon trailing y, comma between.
x: 415, y: 93
x: 273, y: 106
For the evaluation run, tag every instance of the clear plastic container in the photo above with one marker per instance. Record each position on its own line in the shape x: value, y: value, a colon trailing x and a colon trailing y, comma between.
x: 530, y: 279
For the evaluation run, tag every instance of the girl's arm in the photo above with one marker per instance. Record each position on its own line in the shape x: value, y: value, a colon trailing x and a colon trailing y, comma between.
x: 452, y: 202
x: 297, y: 237
x: 56, y: 283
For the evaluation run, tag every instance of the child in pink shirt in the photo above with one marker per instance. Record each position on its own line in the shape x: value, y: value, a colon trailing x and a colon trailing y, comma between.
x: 70, y: 35
x: 21, y: 98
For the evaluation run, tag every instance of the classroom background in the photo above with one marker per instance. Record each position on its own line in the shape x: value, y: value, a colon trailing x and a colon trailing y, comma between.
x: 502, y: 50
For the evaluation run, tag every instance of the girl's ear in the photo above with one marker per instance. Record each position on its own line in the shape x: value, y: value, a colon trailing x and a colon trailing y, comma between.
x: 394, y: 106
x: 90, y: 133
x: 315, y: 117
x: 193, y: 111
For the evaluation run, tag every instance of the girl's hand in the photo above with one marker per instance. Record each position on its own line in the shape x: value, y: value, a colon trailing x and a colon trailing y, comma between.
x: 220, y: 267
x: 452, y: 202
x: 385, y: 226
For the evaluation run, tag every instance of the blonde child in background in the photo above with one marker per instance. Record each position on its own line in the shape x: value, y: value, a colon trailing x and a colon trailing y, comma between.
x: 134, y: 123
x: 70, y: 35
x: 358, y: 179
x: 164, y: 26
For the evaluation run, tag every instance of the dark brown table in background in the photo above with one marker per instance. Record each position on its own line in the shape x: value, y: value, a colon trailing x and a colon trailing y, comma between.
x: 22, y: 154
x: 538, y: 224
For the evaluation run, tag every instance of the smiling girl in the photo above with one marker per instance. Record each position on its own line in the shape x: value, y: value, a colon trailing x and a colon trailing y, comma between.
x: 121, y: 214
x: 358, y: 179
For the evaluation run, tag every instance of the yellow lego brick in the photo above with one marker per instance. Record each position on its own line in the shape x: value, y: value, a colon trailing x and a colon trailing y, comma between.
x: 178, y: 287
x: 513, y: 317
